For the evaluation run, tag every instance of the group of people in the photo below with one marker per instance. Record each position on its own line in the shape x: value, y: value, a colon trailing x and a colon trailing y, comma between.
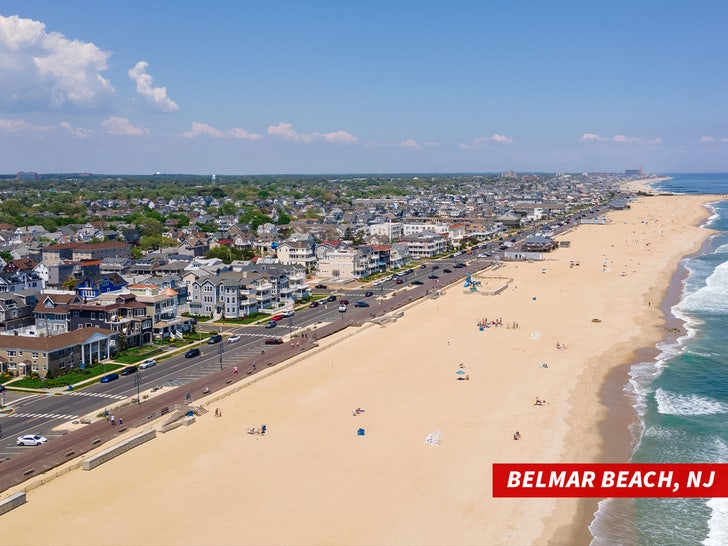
x: 357, y: 411
x: 262, y: 430
x: 539, y: 402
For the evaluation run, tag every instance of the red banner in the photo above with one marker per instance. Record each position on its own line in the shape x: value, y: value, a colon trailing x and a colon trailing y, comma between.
x: 610, y: 480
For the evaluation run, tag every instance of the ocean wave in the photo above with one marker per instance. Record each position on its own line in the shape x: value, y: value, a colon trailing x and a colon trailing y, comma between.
x: 712, y: 298
x: 670, y: 403
x: 717, y: 523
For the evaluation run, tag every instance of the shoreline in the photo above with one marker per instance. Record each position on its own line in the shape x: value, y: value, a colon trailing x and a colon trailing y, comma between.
x: 337, y: 487
x: 621, y: 416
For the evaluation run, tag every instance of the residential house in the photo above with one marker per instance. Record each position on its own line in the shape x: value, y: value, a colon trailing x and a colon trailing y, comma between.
x: 22, y: 355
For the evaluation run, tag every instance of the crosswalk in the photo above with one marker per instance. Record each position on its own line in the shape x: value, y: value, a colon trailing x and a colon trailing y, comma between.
x: 99, y: 395
x: 46, y: 416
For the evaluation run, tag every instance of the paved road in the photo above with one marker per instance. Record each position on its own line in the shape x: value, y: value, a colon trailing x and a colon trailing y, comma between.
x: 25, y: 462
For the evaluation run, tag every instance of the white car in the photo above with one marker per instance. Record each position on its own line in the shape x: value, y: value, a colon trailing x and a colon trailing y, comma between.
x: 342, y: 308
x: 233, y: 339
x: 287, y: 314
x: 31, y: 440
x: 147, y: 364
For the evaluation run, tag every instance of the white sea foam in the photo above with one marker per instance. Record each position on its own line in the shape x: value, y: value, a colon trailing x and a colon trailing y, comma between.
x: 717, y: 523
x: 670, y: 403
x: 712, y: 298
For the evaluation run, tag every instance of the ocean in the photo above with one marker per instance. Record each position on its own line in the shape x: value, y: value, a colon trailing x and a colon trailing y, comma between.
x: 681, y: 397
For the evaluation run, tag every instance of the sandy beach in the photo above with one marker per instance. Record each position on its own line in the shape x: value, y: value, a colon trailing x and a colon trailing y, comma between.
x: 312, y: 479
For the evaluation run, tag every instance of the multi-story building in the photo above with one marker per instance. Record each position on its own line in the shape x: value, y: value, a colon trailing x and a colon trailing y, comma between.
x: 426, y: 244
x: 58, y: 253
x: 22, y: 355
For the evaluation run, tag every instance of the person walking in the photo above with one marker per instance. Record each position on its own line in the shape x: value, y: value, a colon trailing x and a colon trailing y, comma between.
x: 113, y: 421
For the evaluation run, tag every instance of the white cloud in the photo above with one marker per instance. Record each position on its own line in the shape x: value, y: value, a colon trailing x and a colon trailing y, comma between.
x: 337, y: 136
x: 243, y: 134
x: 121, y: 126
x: 42, y: 70
x: 707, y: 139
x: 75, y: 131
x: 593, y: 137
x: 287, y: 132
x: 203, y: 129
x: 410, y: 144
x: 485, y: 141
x: 501, y: 139
x: 622, y: 138
x: 156, y: 96
x: 20, y: 126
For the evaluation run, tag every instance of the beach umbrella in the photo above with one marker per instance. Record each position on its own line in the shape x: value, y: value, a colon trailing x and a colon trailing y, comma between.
x: 460, y: 372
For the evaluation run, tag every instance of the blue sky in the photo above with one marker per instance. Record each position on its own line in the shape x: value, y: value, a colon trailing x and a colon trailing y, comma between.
x: 362, y: 87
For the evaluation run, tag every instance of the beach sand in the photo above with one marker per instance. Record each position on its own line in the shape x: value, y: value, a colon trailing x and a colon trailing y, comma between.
x: 313, y: 480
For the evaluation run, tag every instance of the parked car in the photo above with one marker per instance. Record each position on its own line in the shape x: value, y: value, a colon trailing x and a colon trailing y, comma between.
x: 342, y: 308
x: 361, y: 304
x: 277, y: 317
x: 417, y: 282
x: 2, y: 388
x: 446, y: 270
x: 399, y: 281
x: 332, y: 297
x: 110, y: 377
x: 459, y: 265
x: 233, y: 339
x: 287, y: 314
x: 271, y: 324
x: 423, y: 266
x: 314, y: 304
x: 217, y: 338
x: 148, y: 363
x: 321, y: 287
x: 31, y: 440
x: 192, y: 353
x: 129, y: 370
x: 368, y: 294
x: 274, y: 341
x: 435, y: 267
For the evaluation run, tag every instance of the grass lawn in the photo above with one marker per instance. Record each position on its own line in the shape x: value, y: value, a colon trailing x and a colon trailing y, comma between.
x: 71, y: 378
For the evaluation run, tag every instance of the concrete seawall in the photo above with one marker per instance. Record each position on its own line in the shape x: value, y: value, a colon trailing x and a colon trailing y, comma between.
x: 118, y: 449
x: 12, y: 502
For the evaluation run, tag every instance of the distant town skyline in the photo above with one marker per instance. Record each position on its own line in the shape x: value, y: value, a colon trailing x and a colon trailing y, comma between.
x: 376, y: 87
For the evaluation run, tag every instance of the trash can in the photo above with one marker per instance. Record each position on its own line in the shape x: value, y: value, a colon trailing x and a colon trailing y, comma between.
x: 70, y: 387
x: 360, y: 432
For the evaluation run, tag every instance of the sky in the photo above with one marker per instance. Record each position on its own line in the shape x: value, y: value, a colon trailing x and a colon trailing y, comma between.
x: 314, y: 87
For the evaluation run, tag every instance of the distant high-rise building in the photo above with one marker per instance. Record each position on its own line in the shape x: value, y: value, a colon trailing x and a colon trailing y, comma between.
x: 27, y: 176
x: 634, y: 172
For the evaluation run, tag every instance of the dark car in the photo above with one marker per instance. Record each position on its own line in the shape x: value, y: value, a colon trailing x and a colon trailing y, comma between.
x: 447, y: 270
x: 192, y: 353
x: 459, y: 265
x: 433, y: 276
x: 274, y: 341
x: 417, y: 282
x: 321, y: 287
x: 130, y: 370
x: 344, y: 302
x: 399, y: 281
x: 217, y: 338
x: 331, y: 298
x: 435, y: 267
x: 368, y: 294
x: 109, y: 378
x: 271, y: 324
x: 314, y: 304
x: 361, y: 304
x: 423, y: 266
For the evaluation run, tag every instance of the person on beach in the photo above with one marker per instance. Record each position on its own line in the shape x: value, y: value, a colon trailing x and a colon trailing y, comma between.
x: 517, y: 435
